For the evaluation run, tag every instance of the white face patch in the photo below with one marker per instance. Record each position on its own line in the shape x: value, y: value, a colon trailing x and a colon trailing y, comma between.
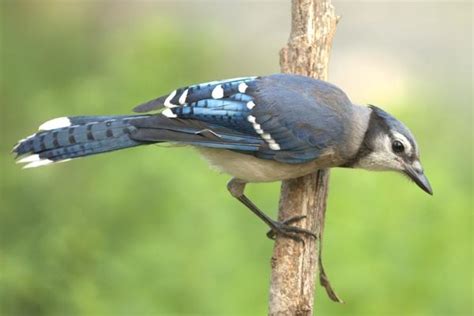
x: 59, y: 122
x: 167, y: 102
x: 218, y: 92
x: 379, y: 161
x: 382, y: 157
x: 404, y: 141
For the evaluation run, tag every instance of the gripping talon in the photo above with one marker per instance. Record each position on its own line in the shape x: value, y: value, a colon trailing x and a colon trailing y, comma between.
x: 284, y: 228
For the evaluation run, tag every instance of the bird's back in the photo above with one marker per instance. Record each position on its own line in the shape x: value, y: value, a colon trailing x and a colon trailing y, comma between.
x: 317, y: 115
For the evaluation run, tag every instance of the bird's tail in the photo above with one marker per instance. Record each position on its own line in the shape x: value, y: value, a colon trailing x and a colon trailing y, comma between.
x: 65, y: 138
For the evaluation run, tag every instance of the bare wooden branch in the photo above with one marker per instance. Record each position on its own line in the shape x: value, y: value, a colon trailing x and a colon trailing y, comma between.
x: 294, y: 263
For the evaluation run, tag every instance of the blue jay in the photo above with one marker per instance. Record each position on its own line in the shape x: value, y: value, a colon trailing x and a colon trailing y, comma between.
x: 257, y: 129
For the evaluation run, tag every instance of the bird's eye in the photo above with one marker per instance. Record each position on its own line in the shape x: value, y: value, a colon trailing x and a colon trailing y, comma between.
x: 397, y: 147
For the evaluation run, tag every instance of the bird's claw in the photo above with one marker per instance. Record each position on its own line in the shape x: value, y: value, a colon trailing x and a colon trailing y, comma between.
x: 284, y: 229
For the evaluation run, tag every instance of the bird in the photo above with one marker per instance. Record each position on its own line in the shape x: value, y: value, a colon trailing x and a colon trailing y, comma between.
x: 256, y: 129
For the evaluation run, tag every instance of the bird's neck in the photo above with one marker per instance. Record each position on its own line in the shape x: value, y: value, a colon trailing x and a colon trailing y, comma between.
x: 362, y: 133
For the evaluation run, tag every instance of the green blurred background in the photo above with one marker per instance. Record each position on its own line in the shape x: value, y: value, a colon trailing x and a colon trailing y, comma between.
x: 151, y: 231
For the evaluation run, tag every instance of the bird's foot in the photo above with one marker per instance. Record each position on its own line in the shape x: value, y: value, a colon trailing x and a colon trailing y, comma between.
x: 284, y: 229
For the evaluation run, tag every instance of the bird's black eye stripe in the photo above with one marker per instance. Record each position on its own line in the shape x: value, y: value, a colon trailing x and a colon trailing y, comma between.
x: 397, y: 147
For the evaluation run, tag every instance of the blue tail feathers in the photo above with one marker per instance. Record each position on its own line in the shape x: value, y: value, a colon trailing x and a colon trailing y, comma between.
x: 66, y: 138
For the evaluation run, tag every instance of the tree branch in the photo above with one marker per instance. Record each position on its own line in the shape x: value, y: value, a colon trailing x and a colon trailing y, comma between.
x: 294, y: 263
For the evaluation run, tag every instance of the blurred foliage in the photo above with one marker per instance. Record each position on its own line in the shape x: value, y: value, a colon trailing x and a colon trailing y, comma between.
x: 151, y: 231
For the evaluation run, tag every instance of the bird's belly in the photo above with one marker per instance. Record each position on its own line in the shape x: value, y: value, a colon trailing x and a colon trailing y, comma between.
x: 252, y: 169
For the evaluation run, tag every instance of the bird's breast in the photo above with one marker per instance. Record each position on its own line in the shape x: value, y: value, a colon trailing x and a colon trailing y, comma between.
x: 252, y: 169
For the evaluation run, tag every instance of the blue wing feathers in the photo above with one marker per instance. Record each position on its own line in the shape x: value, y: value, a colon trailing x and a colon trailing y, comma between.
x: 198, y: 139
x: 286, y: 118
x: 195, y: 93
x: 301, y: 115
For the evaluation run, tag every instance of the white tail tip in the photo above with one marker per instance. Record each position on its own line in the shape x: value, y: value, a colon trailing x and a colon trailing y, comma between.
x: 30, y: 158
x: 39, y: 163
x: 55, y: 123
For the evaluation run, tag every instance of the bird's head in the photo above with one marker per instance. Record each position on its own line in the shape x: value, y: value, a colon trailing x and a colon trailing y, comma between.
x: 389, y: 145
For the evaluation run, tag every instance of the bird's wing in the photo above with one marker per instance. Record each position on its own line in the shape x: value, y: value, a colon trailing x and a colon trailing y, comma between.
x: 270, y: 117
x: 304, y: 117
x: 193, y: 93
x: 211, y: 114
x: 159, y: 128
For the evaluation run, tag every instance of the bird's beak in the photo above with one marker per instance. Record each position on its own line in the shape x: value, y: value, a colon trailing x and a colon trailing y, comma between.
x: 417, y: 175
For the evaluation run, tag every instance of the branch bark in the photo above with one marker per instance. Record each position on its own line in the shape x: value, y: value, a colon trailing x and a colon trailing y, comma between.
x: 294, y: 263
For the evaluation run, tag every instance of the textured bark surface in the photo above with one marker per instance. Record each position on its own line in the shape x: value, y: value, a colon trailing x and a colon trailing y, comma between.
x: 294, y: 263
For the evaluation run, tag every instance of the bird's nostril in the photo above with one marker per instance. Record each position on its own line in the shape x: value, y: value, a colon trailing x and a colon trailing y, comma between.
x: 419, y: 171
x: 417, y: 167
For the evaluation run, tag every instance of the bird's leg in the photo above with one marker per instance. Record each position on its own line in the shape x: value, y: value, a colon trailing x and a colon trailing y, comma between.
x: 236, y: 187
